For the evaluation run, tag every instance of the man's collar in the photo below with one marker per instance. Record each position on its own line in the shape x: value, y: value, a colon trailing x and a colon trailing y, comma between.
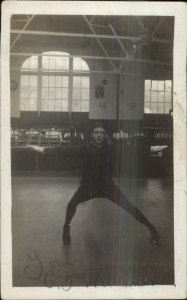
x: 98, y: 146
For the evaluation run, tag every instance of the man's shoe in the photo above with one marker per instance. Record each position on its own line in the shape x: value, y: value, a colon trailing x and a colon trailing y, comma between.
x: 66, y: 234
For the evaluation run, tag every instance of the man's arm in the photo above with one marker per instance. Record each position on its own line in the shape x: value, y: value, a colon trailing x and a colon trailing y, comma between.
x: 43, y: 150
x: 51, y: 150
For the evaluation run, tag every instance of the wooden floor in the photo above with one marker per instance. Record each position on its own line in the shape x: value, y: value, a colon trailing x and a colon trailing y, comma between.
x: 108, y: 246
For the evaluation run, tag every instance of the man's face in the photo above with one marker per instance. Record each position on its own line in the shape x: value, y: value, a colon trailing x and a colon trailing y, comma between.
x: 98, y: 135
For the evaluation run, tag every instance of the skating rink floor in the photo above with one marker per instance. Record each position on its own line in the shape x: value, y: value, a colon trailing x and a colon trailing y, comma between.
x: 108, y: 247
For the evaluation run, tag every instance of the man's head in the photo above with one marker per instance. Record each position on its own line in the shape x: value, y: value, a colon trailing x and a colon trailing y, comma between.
x: 98, y: 133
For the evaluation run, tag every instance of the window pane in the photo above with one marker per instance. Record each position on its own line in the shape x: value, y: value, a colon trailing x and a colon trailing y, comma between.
x: 34, y: 62
x: 84, y: 94
x: 85, y: 82
x: 33, y: 93
x: 76, y: 81
x: 32, y: 104
x: 55, y: 60
x: 147, y: 108
x: 84, y: 106
x: 64, y: 105
x: 45, y: 105
x: 64, y: 93
x: 147, y: 96
x: 51, y: 81
x: 147, y: 85
x: 76, y: 105
x: 45, y: 81
x: 24, y: 80
x: 168, y: 85
x: 57, y: 105
x: 160, y: 85
x: 51, y: 63
x: 167, y: 107
x: 62, y: 64
x: 26, y: 64
x: 79, y: 64
x: 45, y: 93
x: 160, y: 96
x: 154, y: 85
x: 58, y: 81
x: 25, y: 92
x: 61, y: 81
x: 65, y: 81
x: 153, y: 96
x: 76, y: 94
x: 168, y: 97
x: 58, y: 94
x: 33, y: 81
x: 161, y: 108
x: 154, y: 108
x: 24, y: 104
x: 51, y: 93
x: 45, y: 63
x: 30, y: 63
x: 51, y: 105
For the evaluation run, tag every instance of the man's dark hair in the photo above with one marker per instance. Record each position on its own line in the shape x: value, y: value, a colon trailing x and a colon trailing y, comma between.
x: 98, y: 125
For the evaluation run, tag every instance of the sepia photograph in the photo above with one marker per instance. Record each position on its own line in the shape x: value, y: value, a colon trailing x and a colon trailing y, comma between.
x: 92, y: 150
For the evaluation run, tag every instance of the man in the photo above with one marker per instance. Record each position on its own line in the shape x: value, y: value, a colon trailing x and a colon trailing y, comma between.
x: 97, y: 182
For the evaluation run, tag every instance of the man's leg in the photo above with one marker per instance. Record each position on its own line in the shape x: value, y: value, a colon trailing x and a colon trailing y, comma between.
x: 81, y: 195
x: 115, y: 195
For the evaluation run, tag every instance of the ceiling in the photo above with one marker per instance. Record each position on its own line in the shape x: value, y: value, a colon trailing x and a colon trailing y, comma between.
x: 115, y: 39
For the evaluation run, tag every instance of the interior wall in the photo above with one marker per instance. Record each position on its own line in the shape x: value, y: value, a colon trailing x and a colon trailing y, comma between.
x: 131, y: 97
x: 15, y: 94
x: 103, y: 96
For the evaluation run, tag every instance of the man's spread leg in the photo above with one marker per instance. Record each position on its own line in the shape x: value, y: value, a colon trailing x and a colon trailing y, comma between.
x: 116, y: 196
x: 80, y: 195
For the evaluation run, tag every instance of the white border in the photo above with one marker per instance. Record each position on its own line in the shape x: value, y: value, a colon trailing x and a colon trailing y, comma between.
x: 179, y: 11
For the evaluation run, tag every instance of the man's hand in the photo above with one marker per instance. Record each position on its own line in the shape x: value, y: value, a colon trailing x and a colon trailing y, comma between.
x: 158, y: 148
x: 37, y: 148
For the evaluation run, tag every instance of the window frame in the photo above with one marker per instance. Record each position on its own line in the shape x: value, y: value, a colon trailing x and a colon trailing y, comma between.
x: 157, y: 91
x: 39, y: 72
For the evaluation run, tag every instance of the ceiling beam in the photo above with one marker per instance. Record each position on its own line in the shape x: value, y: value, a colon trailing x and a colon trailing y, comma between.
x: 21, y: 31
x: 140, y: 23
x: 82, y: 72
x: 86, y: 35
x: 157, y: 26
x: 92, y: 19
x: 119, y: 41
x: 128, y: 59
x: 19, y: 20
x: 99, y: 42
x: 121, y: 45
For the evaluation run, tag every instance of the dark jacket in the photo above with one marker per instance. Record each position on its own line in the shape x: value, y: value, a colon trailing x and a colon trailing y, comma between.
x: 97, y: 164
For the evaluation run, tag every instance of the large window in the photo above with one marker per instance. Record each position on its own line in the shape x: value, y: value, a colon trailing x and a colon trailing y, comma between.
x: 54, y: 81
x: 158, y: 96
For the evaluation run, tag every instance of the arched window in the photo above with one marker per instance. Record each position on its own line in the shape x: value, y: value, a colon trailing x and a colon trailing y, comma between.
x: 54, y: 81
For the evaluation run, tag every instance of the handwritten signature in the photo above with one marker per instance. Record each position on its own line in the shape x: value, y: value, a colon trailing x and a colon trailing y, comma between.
x: 58, y: 269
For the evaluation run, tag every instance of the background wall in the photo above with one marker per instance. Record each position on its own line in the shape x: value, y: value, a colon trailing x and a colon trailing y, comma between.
x: 103, y: 106
x: 15, y: 95
x: 131, y: 97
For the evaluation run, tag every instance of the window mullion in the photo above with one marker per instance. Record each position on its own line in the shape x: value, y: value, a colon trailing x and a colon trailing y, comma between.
x: 39, y: 95
x: 70, y: 91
